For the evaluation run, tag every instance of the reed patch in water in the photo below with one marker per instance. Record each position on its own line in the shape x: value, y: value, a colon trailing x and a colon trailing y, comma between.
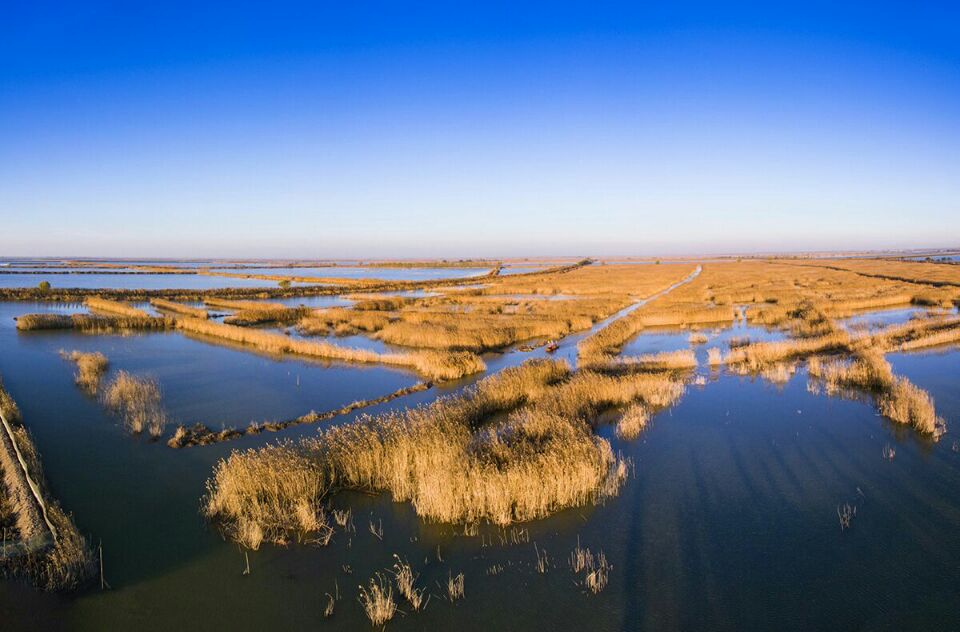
x: 92, y: 323
x: 115, y: 307
x: 179, y: 308
x: 435, y: 365
x: 377, y: 600
x: 137, y: 401
x: 516, y: 446
x: 90, y: 368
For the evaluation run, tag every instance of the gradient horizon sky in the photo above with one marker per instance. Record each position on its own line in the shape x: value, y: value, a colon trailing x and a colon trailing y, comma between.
x: 386, y: 130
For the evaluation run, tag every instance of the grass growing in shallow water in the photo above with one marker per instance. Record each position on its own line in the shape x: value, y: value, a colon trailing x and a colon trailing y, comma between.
x: 436, y: 365
x: 517, y: 446
x: 90, y: 368
x: 137, y: 400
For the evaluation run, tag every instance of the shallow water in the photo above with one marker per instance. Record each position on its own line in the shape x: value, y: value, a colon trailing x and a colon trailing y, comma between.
x: 364, y: 272
x: 511, y: 270
x: 657, y: 340
x: 728, y: 523
x: 884, y: 318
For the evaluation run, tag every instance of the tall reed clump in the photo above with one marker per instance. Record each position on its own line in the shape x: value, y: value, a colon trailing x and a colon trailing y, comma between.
x: 435, y: 365
x: 263, y: 491
x: 906, y: 403
x: 115, y: 307
x: 632, y: 422
x: 517, y: 446
x: 179, y: 308
x: 897, y: 398
x: 137, y: 400
x: 90, y: 368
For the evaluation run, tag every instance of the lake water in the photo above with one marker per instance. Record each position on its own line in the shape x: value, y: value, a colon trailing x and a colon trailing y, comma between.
x: 130, y: 281
x: 729, y: 522
x: 365, y: 272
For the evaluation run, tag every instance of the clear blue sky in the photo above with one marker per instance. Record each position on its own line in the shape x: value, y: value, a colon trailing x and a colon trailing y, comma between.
x: 357, y: 129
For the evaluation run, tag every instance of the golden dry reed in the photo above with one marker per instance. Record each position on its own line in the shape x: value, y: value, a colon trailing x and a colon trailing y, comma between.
x: 179, y: 308
x: 137, y: 400
x: 115, y: 307
x: 434, y: 365
x: 90, y: 368
x: 91, y: 323
x: 377, y: 601
x: 517, y: 446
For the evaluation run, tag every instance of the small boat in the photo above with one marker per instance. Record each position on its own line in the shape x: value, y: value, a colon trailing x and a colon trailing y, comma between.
x: 552, y: 346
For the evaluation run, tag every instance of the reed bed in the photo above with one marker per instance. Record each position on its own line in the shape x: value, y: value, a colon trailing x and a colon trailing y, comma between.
x: 248, y: 317
x: 179, y: 308
x: 516, y: 446
x: 342, y: 321
x: 90, y: 368
x: 92, y: 323
x: 906, y: 403
x: 681, y: 360
x: 755, y: 357
x: 632, y: 422
x: 137, y: 400
x: 434, y: 365
x: 237, y: 305
x: 897, y: 398
x: 115, y: 307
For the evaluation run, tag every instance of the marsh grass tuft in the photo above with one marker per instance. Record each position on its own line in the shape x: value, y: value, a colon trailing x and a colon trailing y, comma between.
x: 137, y: 400
x: 403, y: 574
x: 377, y: 600
x: 455, y: 586
x: 90, y: 368
x: 632, y: 422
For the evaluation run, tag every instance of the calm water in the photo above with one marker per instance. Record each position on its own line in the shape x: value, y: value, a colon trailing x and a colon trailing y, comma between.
x: 728, y: 524
x: 130, y: 281
x: 364, y: 272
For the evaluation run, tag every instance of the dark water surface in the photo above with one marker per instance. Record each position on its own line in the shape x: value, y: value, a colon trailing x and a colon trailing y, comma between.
x: 729, y: 522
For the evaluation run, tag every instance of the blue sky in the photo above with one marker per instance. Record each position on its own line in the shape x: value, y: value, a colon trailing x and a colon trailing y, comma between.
x: 374, y: 129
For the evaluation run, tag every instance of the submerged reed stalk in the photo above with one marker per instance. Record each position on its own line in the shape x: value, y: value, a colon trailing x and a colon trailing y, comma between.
x: 455, y: 586
x: 90, y: 368
x: 377, y: 600
x: 632, y: 422
x: 137, y: 400
x: 403, y: 574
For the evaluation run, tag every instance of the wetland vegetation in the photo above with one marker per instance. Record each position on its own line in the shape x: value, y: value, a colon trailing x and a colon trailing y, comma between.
x: 517, y: 413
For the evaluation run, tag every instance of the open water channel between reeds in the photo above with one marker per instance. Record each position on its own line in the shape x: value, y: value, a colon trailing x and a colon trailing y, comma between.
x: 728, y: 521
